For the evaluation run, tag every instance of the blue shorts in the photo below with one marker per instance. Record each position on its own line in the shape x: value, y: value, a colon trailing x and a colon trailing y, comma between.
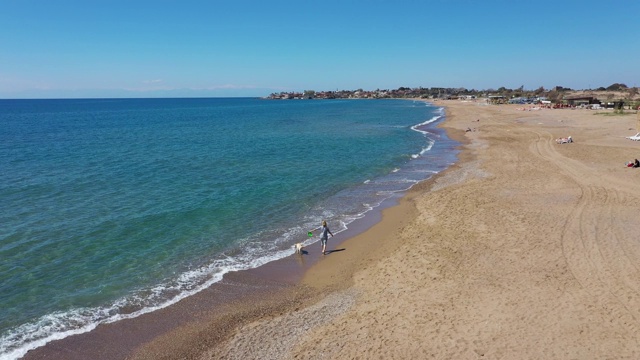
x: 323, y: 241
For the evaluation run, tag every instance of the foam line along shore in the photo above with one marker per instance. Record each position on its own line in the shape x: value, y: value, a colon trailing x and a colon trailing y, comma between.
x: 172, y: 222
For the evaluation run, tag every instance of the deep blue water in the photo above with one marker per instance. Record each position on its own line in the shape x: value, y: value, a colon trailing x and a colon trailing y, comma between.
x: 115, y: 207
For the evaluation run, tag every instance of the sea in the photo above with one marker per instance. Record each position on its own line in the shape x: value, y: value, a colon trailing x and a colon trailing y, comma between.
x: 112, y: 208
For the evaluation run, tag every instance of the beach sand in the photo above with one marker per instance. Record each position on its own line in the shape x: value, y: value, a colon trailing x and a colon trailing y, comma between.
x: 524, y: 249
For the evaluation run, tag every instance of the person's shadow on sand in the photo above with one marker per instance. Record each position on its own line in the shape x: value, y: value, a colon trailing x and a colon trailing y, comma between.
x: 332, y: 251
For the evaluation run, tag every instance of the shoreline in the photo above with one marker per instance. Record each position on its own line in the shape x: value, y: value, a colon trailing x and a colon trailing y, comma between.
x: 522, y: 249
x: 330, y: 281
x: 241, y: 296
x: 525, y: 249
x: 498, y: 258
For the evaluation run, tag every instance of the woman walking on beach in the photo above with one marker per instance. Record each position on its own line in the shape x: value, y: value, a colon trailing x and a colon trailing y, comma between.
x: 324, y: 235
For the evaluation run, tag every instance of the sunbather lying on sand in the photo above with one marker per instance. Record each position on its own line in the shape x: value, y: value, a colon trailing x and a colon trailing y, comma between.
x: 564, y: 140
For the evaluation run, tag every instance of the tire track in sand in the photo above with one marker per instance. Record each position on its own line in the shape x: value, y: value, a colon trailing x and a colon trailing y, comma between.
x: 600, y: 251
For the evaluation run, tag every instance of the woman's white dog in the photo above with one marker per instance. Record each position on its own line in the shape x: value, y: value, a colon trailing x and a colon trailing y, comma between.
x: 299, y: 248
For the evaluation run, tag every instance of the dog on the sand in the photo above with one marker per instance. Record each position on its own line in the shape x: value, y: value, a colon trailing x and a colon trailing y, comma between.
x: 298, y: 248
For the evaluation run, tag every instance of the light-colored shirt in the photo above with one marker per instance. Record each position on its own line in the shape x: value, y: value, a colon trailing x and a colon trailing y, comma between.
x: 325, y: 230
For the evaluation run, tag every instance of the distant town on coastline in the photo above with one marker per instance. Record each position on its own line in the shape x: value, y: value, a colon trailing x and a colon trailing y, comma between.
x: 616, y: 95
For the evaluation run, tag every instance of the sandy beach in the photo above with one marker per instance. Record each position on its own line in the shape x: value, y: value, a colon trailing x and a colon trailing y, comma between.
x: 524, y: 249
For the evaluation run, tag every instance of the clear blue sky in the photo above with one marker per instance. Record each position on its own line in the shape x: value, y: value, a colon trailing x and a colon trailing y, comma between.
x: 63, y: 48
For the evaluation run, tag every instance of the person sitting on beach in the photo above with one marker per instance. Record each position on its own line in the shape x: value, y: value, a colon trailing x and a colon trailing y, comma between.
x: 636, y: 163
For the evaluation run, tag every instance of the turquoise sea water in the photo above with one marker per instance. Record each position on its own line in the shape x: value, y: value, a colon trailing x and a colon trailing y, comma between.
x: 112, y: 208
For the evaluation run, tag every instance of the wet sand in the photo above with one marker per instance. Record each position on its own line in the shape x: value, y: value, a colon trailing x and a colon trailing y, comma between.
x: 200, y: 322
x: 524, y: 249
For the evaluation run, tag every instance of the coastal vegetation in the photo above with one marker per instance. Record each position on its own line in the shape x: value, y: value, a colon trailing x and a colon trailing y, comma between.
x: 617, y: 93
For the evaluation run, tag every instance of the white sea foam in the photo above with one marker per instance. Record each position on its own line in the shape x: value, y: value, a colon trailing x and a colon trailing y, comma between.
x: 60, y: 325
x: 424, y: 149
x: 20, y: 340
x: 433, y: 119
x: 430, y: 142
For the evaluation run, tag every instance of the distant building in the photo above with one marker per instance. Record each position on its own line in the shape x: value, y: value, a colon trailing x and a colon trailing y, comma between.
x: 497, y: 99
x: 581, y: 100
x: 519, y: 100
